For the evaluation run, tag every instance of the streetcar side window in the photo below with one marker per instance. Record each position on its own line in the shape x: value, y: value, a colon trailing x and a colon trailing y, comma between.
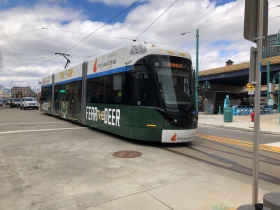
x: 46, y: 93
x: 95, y: 90
x: 106, y: 89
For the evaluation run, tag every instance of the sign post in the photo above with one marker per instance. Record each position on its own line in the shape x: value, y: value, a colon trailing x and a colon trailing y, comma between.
x: 255, y: 30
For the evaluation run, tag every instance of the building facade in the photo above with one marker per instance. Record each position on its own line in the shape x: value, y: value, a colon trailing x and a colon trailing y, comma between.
x: 18, y: 92
x: 269, y: 51
x: 4, y: 92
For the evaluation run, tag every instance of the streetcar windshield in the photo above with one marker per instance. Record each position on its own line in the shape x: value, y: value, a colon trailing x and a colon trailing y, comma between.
x: 175, y: 81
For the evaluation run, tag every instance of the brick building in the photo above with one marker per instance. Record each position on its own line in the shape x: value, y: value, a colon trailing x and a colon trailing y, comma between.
x: 18, y: 92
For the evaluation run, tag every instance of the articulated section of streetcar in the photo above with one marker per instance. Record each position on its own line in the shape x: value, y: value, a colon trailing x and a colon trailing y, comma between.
x: 232, y: 157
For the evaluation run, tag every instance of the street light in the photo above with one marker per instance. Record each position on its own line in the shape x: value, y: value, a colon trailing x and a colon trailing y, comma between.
x: 206, y: 85
x: 196, y: 72
x: 277, y: 43
x: 274, y: 81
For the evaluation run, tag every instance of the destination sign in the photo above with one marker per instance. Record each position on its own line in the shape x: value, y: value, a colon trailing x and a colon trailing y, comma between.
x: 175, y: 65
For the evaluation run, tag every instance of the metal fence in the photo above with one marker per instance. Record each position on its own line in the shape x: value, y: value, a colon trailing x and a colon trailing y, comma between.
x: 248, y: 110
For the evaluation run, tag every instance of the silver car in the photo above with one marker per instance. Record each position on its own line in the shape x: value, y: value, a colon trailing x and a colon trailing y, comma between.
x: 28, y: 102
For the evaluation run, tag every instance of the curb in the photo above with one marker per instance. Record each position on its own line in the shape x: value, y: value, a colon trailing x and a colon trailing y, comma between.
x: 240, y: 129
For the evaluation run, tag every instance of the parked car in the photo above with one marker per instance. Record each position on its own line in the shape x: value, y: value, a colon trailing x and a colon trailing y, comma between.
x: 1, y: 102
x: 15, y: 102
x: 28, y: 102
x: 8, y: 101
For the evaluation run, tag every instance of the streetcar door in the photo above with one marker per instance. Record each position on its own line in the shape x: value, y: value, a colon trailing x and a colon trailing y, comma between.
x: 136, y: 93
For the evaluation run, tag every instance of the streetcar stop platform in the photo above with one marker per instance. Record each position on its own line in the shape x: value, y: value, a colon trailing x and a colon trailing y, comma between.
x: 269, y: 124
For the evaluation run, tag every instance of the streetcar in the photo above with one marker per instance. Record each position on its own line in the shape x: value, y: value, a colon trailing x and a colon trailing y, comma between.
x: 141, y: 91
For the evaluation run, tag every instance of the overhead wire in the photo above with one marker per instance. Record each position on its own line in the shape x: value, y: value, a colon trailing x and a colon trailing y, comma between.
x: 102, y: 26
x: 21, y: 33
x: 118, y: 37
x: 231, y: 31
x: 214, y: 24
x: 36, y: 15
x: 121, y: 38
x: 10, y: 42
x: 85, y: 37
x: 156, y: 19
x: 207, y: 26
x: 73, y: 32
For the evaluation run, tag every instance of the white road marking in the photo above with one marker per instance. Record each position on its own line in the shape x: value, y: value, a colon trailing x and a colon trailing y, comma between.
x: 275, y: 144
x: 53, y: 129
x: 31, y: 123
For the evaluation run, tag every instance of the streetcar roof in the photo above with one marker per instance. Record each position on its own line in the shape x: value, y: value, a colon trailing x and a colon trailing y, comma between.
x: 151, y: 47
x: 117, y: 60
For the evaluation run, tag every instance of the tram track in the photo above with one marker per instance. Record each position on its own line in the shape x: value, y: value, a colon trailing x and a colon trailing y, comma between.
x: 225, y: 159
x: 265, y: 159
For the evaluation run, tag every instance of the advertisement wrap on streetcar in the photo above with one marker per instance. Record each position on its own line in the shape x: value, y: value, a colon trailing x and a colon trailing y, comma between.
x: 142, y: 91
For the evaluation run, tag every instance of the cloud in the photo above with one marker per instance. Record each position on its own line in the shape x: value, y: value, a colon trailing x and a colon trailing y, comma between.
x: 116, y: 2
x: 28, y: 50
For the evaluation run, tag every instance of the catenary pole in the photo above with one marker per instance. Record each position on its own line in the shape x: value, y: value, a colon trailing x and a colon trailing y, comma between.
x: 196, y: 72
x: 267, y: 80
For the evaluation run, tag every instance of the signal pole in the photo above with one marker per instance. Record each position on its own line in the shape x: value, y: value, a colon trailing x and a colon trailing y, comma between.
x: 255, y: 30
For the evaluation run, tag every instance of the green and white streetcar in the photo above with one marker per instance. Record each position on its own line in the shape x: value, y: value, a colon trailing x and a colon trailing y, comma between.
x: 142, y: 91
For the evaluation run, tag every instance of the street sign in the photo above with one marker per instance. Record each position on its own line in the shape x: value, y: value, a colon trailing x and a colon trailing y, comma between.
x: 250, y: 86
x: 251, y: 92
x: 250, y: 21
x: 270, y: 102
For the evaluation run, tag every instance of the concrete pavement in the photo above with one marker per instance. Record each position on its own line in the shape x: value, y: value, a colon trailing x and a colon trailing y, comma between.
x: 74, y: 169
x: 269, y: 124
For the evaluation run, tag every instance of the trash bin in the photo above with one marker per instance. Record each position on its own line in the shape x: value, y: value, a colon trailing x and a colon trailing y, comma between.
x: 228, y: 114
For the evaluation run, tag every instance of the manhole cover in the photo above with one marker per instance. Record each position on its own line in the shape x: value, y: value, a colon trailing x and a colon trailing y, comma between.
x: 127, y: 154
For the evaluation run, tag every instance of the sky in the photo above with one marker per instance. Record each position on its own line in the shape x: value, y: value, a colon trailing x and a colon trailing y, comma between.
x: 31, y: 31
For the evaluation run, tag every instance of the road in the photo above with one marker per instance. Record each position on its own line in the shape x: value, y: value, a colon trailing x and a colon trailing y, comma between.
x: 50, y: 163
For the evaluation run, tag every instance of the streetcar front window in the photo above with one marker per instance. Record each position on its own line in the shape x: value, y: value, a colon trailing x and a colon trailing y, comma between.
x: 175, y: 82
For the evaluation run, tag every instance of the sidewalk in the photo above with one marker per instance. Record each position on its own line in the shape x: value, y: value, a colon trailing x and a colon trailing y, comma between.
x: 269, y: 124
